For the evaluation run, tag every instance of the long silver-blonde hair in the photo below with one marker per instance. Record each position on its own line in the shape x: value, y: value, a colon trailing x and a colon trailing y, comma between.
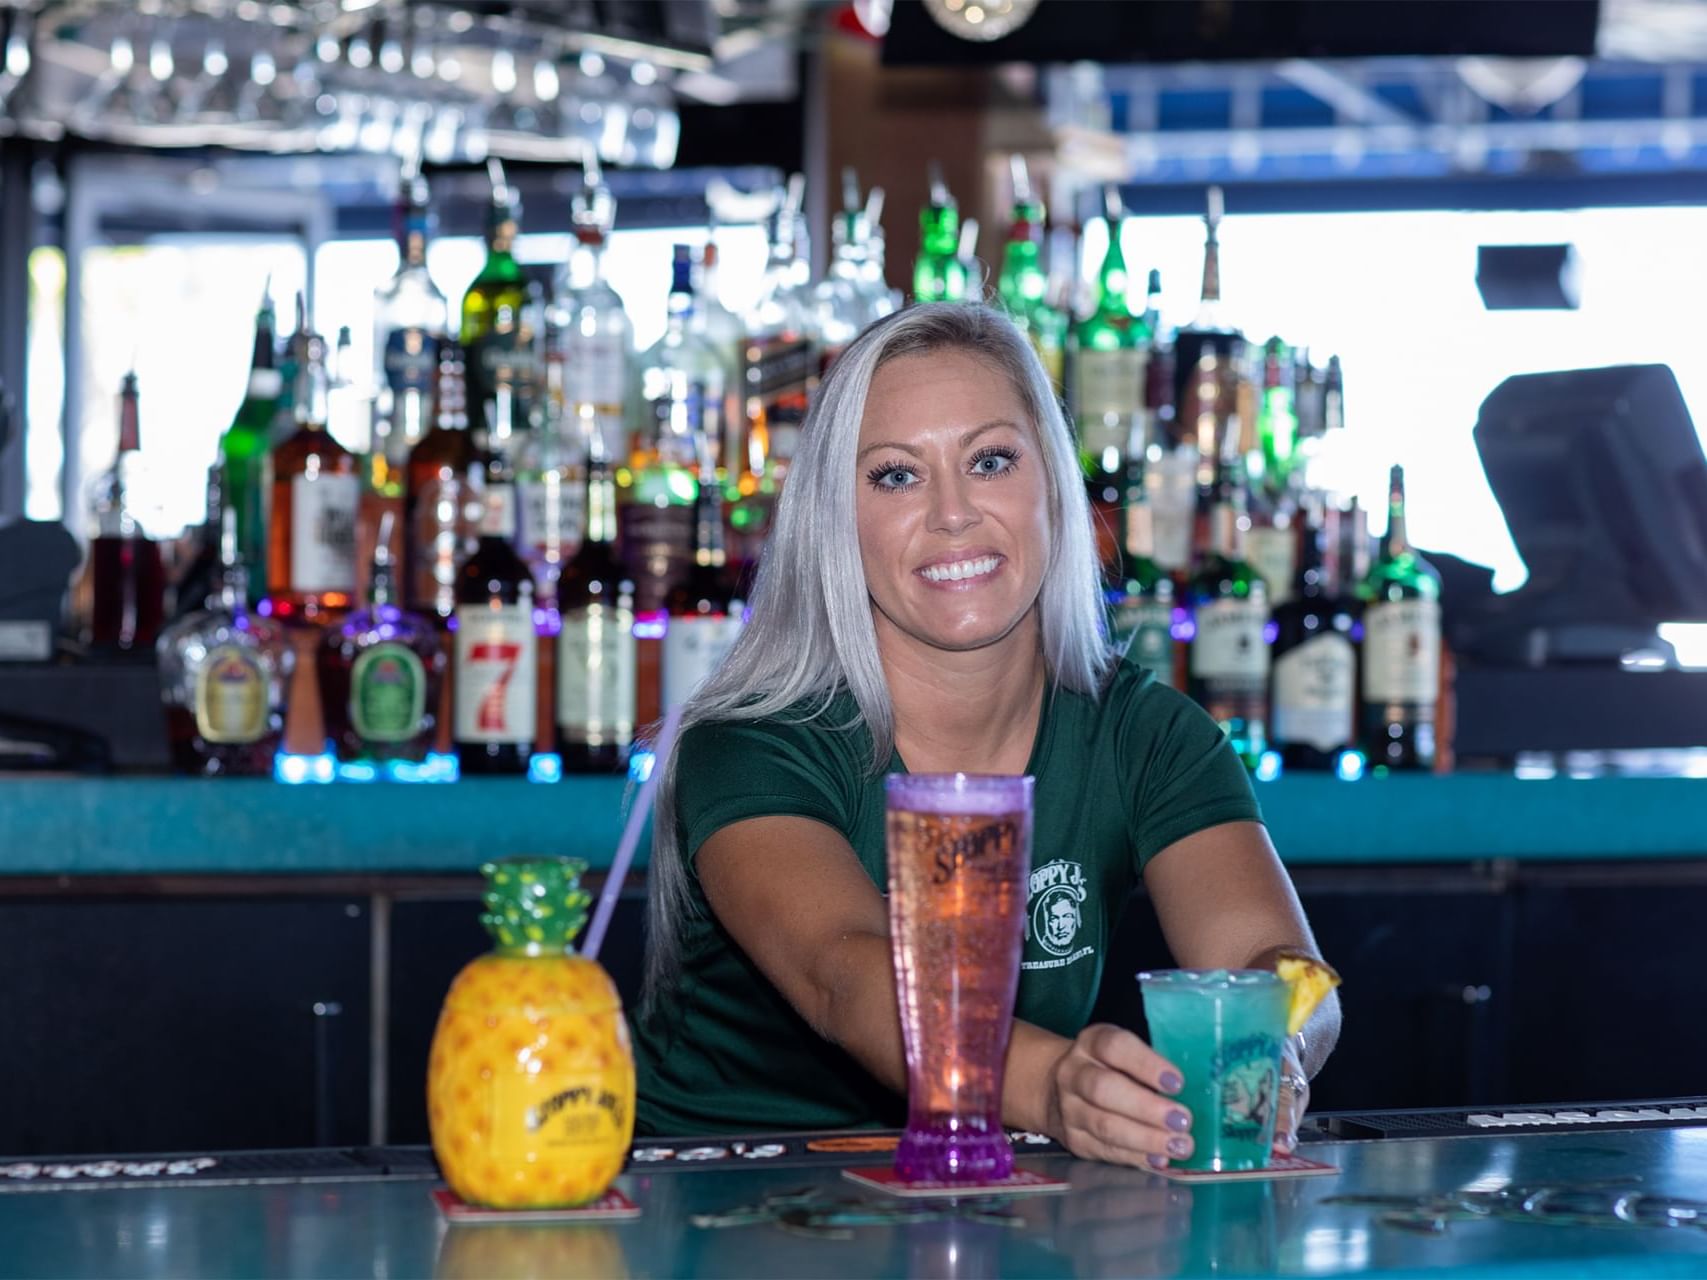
x: 810, y: 634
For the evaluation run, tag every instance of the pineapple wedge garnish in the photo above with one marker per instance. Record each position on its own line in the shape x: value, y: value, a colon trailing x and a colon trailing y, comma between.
x: 1310, y: 979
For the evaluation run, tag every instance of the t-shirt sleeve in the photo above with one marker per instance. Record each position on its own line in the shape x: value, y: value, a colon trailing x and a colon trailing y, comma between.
x: 1183, y: 776
x: 729, y: 771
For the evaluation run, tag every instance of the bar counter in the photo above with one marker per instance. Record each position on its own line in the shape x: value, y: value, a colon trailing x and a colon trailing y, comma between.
x: 335, y: 1213
x: 180, y: 827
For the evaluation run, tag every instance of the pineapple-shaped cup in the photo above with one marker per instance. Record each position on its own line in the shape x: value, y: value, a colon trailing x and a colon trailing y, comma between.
x: 530, y: 1086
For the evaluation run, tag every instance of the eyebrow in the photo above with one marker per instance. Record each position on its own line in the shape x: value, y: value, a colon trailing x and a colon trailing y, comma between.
x: 965, y: 440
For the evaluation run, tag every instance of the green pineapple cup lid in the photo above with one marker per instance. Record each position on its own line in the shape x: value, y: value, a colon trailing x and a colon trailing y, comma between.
x: 534, y: 904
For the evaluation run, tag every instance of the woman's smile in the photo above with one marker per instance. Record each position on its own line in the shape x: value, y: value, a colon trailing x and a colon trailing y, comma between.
x: 962, y: 570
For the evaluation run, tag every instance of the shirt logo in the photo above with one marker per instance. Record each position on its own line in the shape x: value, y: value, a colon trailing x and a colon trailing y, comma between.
x: 1055, y: 913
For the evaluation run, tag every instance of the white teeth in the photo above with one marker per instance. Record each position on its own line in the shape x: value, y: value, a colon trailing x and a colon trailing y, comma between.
x: 961, y: 569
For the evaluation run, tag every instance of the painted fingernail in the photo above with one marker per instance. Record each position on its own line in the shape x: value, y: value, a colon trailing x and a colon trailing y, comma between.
x: 1180, y: 1148
x: 1171, y: 1082
x: 1158, y: 1162
x: 1179, y: 1121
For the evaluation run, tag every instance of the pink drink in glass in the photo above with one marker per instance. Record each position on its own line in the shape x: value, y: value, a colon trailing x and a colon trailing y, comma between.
x: 959, y: 854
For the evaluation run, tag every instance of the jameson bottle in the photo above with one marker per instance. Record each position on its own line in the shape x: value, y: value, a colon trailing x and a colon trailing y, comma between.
x: 1140, y: 594
x: 496, y: 651
x: 495, y: 329
x: 1313, y: 696
x: 1228, y: 661
x: 1401, y: 648
x: 311, y: 549
x: 1023, y: 286
x: 127, y: 577
x: 596, y: 669
x: 380, y: 671
x: 1110, y: 345
x: 939, y: 273
x: 243, y: 451
x: 440, y: 506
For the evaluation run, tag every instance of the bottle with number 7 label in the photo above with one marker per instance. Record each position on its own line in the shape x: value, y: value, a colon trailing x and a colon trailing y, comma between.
x: 496, y: 645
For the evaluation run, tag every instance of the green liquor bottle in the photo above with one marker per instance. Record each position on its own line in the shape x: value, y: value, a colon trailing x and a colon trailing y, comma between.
x: 1023, y: 286
x: 1111, y: 347
x: 939, y: 273
x: 1277, y: 416
x: 1229, y: 657
x: 1401, y: 648
x: 495, y: 328
x: 1140, y: 593
x: 243, y: 452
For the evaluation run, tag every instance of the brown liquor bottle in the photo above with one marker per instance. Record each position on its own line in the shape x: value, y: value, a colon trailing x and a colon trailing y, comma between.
x: 311, y: 547
x: 440, y: 505
x: 496, y: 647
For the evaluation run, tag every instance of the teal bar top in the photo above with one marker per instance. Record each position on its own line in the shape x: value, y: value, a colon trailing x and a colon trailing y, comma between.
x: 1107, y: 1221
x: 168, y: 826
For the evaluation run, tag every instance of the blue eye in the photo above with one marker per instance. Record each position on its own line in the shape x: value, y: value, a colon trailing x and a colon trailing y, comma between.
x: 891, y: 478
x: 994, y: 461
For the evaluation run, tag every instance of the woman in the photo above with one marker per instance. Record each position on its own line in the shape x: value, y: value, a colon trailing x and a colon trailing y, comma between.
x: 929, y: 601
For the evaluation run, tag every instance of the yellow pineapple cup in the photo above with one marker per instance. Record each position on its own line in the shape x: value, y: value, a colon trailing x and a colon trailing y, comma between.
x: 530, y: 1085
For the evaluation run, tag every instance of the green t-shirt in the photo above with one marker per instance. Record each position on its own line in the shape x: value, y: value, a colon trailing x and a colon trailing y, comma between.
x: 1118, y: 779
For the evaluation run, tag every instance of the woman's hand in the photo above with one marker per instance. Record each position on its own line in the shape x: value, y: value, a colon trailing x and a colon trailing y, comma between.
x: 1109, y: 1100
x: 1294, y: 1097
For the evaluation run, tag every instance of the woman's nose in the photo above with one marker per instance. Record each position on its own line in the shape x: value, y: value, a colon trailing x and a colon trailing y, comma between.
x: 953, y: 508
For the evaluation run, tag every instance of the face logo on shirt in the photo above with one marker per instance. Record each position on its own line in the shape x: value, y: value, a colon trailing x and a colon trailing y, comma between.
x: 1055, y: 912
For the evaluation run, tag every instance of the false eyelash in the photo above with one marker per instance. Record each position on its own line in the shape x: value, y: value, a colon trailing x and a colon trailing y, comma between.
x: 882, y: 469
x: 996, y: 451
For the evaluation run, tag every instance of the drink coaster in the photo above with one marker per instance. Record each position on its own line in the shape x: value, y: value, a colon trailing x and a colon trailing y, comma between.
x: 612, y: 1206
x: 1022, y: 1182
x: 1279, y: 1167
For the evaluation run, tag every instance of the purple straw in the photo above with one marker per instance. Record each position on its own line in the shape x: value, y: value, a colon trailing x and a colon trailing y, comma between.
x: 630, y: 837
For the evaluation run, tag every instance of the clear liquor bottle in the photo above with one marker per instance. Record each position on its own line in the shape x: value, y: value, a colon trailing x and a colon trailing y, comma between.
x: 127, y: 577
x: 1023, y: 285
x: 1139, y: 592
x: 841, y: 301
x: 1313, y: 698
x: 1111, y: 346
x: 881, y: 299
x: 410, y: 318
x: 223, y: 677
x: 441, y: 509
x: 939, y: 274
x: 244, y: 447
x: 496, y: 331
x: 678, y: 397
x: 1401, y: 648
x: 596, y: 648
x: 1228, y: 661
x: 380, y: 671
x: 725, y: 332
x: 495, y: 673
x: 311, y: 555
x: 589, y: 337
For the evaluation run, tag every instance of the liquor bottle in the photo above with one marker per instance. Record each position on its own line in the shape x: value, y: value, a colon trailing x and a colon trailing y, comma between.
x: 779, y: 373
x: 223, y: 675
x: 1313, y: 698
x: 1272, y: 543
x: 596, y: 655
x: 1401, y: 648
x: 201, y: 575
x: 726, y: 334
x: 440, y: 506
x: 704, y: 616
x: 588, y: 334
x: 410, y: 318
x: 496, y: 650
x: 939, y: 274
x: 244, y: 447
x: 842, y: 302
x: 1208, y: 362
x: 1140, y: 593
x: 1111, y: 345
x: 971, y: 265
x: 311, y: 551
x: 127, y: 578
x: 679, y: 392
x: 496, y: 330
x: 380, y: 671
x: 882, y: 299
x: 1229, y: 658
x: 1153, y: 303
x: 1023, y: 286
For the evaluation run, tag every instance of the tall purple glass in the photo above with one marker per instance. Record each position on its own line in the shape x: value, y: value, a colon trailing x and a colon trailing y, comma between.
x: 959, y: 854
